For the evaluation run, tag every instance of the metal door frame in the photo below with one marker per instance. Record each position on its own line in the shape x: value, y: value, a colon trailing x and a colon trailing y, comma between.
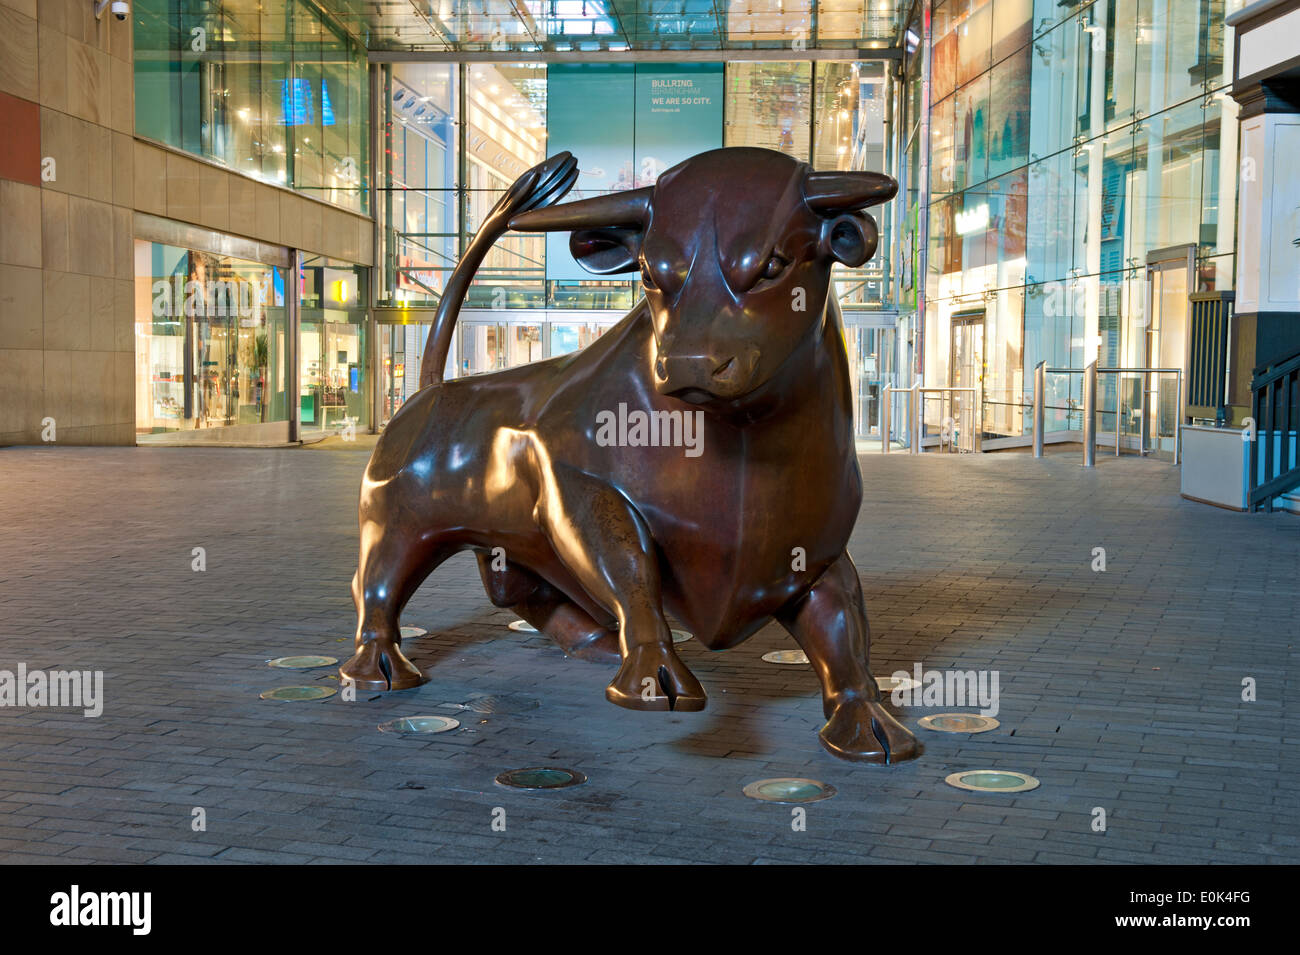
x: 1163, y: 260
x: 970, y: 316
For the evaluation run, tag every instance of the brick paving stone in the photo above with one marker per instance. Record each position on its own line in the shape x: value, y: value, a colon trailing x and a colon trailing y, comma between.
x: 1119, y: 690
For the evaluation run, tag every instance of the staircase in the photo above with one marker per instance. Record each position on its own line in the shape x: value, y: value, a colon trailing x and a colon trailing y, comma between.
x: 1275, y: 407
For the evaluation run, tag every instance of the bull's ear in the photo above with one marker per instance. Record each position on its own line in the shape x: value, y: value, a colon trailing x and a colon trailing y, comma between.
x: 608, y: 250
x: 849, y: 238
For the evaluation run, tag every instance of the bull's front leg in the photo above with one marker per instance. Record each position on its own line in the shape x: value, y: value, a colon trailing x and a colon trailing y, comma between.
x: 830, y: 623
x: 605, y: 544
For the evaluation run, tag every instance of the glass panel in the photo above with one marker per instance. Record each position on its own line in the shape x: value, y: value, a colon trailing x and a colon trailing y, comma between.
x: 1053, y: 91
x: 332, y: 345
x: 210, y: 347
x: 1168, y: 175
x: 276, y: 91
x: 768, y: 106
x: 1169, y: 48
x: 970, y: 129
x: 1009, y: 113
x: 973, y: 24
x: 481, y: 347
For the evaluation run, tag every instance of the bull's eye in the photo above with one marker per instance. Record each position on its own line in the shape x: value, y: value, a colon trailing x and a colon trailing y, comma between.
x: 774, y: 267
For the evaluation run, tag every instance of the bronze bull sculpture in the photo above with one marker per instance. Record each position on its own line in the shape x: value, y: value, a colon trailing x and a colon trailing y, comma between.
x: 585, y: 523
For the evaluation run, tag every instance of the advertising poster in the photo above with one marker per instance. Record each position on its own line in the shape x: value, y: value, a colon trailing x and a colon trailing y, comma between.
x: 626, y: 124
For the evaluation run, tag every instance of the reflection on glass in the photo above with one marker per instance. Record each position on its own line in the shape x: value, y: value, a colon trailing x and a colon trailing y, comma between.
x: 768, y: 106
x: 210, y: 347
x: 273, y: 90
x: 332, y: 347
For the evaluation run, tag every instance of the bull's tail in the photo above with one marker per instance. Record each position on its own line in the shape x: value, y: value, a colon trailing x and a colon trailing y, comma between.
x: 540, y: 186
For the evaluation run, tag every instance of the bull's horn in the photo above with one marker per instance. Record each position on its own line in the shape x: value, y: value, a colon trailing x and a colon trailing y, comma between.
x: 834, y: 192
x: 628, y: 209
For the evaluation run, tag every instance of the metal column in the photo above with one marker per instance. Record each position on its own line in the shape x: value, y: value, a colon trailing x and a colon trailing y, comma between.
x: 293, y: 335
x: 886, y: 419
x: 1090, y: 415
x: 1040, y: 390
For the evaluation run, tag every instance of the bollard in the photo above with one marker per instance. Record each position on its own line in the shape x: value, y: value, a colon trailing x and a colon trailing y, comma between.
x: 1040, y: 381
x: 918, y: 417
x: 1090, y: 415
x: 886, y: 419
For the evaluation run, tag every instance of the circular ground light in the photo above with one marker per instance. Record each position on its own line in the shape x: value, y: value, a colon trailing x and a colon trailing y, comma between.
x: 522, y: 626
x: 540, y: 777
x: 298, y: 694
x: 959, y: 723
x: 301, y: 663
x: 786, y: 656
x: 992, y: 781
x: 889, y: 684
x: 411, y: 633
x: 789, y: 790
x: 413, y: 725
x: 681, y: 636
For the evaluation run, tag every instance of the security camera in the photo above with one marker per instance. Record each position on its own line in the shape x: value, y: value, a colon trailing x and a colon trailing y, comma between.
x: 121, y: 9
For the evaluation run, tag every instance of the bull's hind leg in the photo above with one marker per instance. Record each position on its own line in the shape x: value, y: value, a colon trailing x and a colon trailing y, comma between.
x: 830, y: 624
x: 391, y: 568
x: 550, y: 611
x: 606, y: 546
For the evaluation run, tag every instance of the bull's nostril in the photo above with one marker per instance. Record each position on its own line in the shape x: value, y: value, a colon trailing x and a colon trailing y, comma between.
x: 660, y: 369
x: 722, y: 369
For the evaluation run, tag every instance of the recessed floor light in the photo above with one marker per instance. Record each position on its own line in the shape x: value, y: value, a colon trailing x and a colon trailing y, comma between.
x: 681, y: 636
x: 789, y: 789
x: 540, y: 777
x: 992, y: 781
x: 523, y: 626
x: 959, y: 723
x: 411, y: 633
x: 786, y: 656
x: 299, y: 694
x: 412, y: 725
x: 301, y: 663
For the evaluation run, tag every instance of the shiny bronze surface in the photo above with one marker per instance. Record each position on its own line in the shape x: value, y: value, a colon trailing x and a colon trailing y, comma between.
x: 697, y: 458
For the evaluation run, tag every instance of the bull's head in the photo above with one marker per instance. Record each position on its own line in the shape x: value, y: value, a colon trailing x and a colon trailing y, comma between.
x: 735, y: 248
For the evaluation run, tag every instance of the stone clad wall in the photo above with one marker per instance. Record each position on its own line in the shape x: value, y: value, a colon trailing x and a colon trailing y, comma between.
x: 67, y: 332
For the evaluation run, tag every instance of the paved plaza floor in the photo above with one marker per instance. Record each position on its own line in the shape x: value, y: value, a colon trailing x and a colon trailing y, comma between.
x: 1121, y: 690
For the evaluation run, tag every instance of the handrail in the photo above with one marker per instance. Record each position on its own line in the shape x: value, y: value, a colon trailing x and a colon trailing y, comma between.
x: 1279, y: 371
x: 1278, y: 475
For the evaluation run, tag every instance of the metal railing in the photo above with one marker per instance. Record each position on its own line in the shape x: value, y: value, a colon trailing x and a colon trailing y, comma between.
x: 1275, y: 391
x: 1090, y: 374
x: 914, y: 419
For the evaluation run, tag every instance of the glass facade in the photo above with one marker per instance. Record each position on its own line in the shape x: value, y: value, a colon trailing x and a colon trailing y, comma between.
x: 1067, y: 178
x: 1070, y: 147
x: 269, y: 88
x: 529, y: 299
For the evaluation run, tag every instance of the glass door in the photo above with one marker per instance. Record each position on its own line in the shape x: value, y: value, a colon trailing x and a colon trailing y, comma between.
x: 1168, y: 287
x: 964, y: 408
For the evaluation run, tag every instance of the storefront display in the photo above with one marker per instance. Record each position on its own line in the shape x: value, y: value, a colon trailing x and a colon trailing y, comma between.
x: 210, y: 342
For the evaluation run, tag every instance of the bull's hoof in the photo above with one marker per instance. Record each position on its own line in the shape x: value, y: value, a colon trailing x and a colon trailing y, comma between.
x: 865, y: 732
x: 654, y: 678
x: 380, y: 665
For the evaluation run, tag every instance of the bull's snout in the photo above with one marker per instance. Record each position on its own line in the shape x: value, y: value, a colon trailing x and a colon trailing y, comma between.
x: 727, y: 374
